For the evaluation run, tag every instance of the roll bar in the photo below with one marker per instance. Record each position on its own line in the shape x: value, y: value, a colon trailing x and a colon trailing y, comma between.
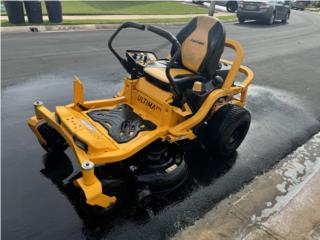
x: 113, y: 36
x: 161, y: 32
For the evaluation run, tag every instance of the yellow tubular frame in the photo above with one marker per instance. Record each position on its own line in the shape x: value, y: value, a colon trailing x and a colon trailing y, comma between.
x: 173, y: 123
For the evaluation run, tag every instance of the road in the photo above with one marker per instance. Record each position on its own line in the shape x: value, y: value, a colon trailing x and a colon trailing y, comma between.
x: 37, y: 204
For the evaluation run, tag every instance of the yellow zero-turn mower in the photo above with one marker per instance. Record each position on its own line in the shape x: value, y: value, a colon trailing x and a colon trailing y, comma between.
x: 134, y: 138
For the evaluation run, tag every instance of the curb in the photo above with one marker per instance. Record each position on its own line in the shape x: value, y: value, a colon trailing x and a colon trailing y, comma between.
x: 53, y: 28
x: 82, y: 27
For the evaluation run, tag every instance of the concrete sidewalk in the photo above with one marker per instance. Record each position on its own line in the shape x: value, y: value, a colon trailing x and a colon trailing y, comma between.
x: 282, y: 204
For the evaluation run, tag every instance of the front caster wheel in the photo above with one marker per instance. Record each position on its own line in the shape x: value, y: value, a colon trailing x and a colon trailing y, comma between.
x: 55, y: 143
x: 226, y: 130
x: 110, y: 187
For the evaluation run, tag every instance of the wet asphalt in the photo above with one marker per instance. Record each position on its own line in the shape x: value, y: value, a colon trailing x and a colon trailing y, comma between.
x: 38, y: 202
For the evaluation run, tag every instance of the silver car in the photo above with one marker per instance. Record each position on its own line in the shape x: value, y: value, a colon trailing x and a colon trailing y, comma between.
x: 299, y: 5
x: 267, y: 11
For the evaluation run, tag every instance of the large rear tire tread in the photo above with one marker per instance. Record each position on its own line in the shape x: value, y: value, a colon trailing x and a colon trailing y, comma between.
x: 226, y: 130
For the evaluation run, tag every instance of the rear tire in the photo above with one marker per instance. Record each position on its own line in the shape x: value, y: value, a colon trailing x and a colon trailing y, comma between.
x: 286, y: 19
x: 272, y: 18
x: 241, y: 20
x: 226, y: 130
x: 55, y: 143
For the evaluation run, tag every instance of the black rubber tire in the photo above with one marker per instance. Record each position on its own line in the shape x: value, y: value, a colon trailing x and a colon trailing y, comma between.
x: 241, y: 20
x: 55, y: 143
x: 226, y: 130
x: 110, y: 187
x: 286, y: 19
x: 232, y: 6
x: 272, y: 18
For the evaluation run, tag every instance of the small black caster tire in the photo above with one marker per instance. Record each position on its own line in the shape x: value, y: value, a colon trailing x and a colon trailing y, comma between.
x: 55, y: 143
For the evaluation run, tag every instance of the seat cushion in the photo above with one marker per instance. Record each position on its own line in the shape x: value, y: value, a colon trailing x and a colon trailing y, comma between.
x: 156, y: 74
x: 160, y: 73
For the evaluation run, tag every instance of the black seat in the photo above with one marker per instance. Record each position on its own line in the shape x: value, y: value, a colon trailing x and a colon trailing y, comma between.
x: 202, y: 43
x: 155, y: 73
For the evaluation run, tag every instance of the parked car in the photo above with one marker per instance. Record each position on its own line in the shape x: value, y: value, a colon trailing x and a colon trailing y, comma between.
x: 264, y: 10
x: 299, y: 5
x: 231, y: 5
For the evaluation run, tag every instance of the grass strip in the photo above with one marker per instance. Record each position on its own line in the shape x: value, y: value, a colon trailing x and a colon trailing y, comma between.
x: 125, y: 8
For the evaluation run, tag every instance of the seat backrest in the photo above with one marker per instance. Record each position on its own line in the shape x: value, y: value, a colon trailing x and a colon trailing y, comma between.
x: 202, y: 43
